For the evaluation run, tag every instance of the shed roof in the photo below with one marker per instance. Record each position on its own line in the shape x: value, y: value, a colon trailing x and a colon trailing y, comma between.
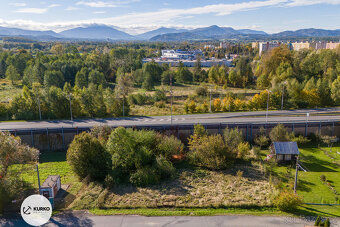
x: 50, y: 181
x: 286, y: 148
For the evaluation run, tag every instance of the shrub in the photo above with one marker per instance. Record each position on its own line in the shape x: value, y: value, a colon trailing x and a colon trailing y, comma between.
x: 141, y: 157
x: 159, y: 96
x: 243, y: 150
x: 192, y: 107
x: 199, y: 132
x: 233, y: 137
x: 217, y: 104
x: 287, y: 201
x: 87, y: 157
x: 165, y: 167
x: 201, y: 91
x: 323, y: 178
x: 145, y: 176
x: 168, y: 146
x: 279, y: 134
x: 140, y: 99
x: 160, y: 104
x: 210, y: 152
x: 101, y: 132
x: 301, y: 139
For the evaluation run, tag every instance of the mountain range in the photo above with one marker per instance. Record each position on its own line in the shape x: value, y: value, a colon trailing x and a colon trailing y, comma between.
x: 103, y: 32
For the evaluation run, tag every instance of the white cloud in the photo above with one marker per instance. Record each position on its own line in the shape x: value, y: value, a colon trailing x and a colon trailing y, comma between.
x: 18, y: 4
x: 97, y: 4
x: 32, y: 10
x: 311, y: 2
x: 102, y: 4
x: 71, y: 8
x: 53, y: 5
x: 99, y: 12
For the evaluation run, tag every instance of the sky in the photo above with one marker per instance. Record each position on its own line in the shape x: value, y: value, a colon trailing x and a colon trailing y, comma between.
x: 138, y: 16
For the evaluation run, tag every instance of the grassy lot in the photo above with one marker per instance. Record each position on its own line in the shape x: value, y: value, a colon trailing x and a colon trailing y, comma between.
x: 194, y: 188
x: 198, y: 192
x: 310, y: 186
x: 8, y: 91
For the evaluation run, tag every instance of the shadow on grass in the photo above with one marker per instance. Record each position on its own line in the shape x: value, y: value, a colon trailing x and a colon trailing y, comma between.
x: 309, y: 211
x: 59, y: 156
x: 316, y: 165
x: 305, y: 185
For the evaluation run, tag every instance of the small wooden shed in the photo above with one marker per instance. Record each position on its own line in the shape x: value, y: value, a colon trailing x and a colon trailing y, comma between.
x: 284, y: 151
x: 51, y: 186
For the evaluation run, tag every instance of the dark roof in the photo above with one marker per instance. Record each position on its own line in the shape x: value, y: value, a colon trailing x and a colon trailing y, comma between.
x: 286, y: 148
x: 50, y: 181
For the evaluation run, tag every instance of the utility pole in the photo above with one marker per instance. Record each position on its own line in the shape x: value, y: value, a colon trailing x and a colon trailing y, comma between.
x: 283, y: 92
x: 296, y: 174
x: 171, y: 97
x: 38, y: 180
x: 123, y: 106
x: 39, y: 108
x: 267, y: 106
x: 69, y: 96
x: 210, y: 98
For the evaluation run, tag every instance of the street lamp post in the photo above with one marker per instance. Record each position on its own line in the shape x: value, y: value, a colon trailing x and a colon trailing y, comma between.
x: 39, y: 108
x: 283, y: 92
x: 267, y: 106
x: 69, y: 98
x: 171, y: 99
x: 210, y: 98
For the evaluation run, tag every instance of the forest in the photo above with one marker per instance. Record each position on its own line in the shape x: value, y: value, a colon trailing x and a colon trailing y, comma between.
x: 109, y: 81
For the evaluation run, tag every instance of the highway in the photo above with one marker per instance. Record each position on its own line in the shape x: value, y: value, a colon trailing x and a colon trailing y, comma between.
x: 285, y: 116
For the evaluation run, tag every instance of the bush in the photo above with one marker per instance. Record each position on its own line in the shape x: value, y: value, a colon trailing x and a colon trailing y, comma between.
x: 168, y: 146
x: 279, y: 134
x: 160, y: 104
x: 301, y: 140
x: 210, y: 152
x: 141, y: 157
x: 87, y: 157
x: 201, y: 91
x: 101, y: 132
x: 323, y: 178
x: 192, y: 107
x: 140, y: 99
x: 165, y: 167
x: 233, y: 137
x: 287, y: 201
x: 145, y: 176
x: 243, y: 150
x: 159, y: 96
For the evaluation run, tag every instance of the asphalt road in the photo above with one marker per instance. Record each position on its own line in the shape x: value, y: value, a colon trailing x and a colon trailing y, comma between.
x: 326, y: 114
x: 83, y: 219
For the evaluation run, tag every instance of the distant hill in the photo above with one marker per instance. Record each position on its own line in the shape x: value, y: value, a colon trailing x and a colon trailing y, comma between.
x: 310, y: 32
x: 159, y: 31
x: 251, y: 32
x: 163, y: 34
x: 96, y: 32
x: 4, y: 31
x: 211, y: 32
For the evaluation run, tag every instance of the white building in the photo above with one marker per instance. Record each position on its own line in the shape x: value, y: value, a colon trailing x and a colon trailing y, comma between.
x: 267, y: 46
x: 181, y: 54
